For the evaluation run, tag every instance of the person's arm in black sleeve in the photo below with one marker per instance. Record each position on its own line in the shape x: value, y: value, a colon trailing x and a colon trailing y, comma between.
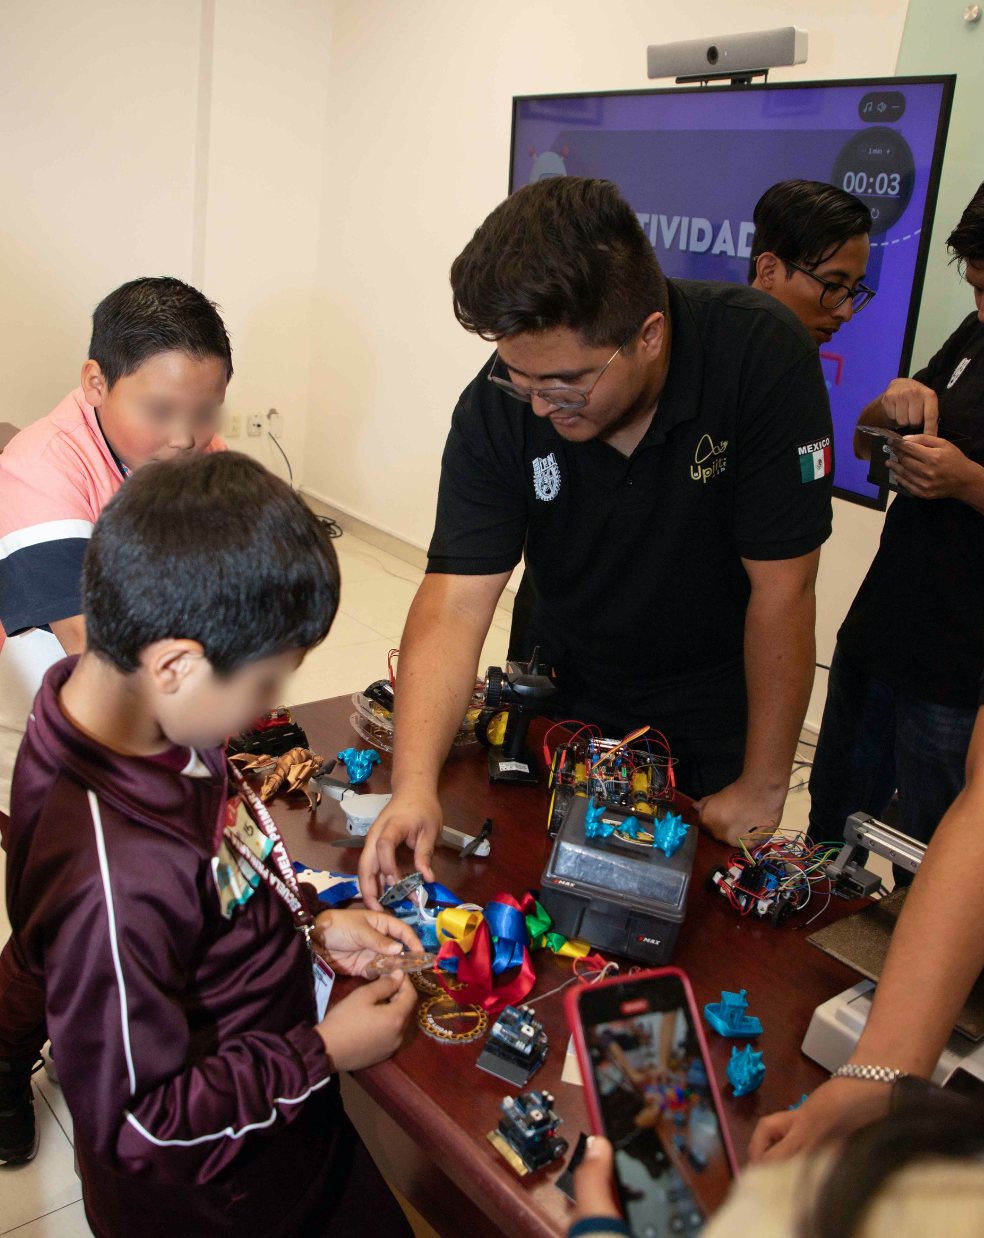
x: 782, y: 517
x: 478, y: 540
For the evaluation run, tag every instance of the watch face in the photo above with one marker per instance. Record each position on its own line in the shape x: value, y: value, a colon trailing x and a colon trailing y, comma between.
x: 877, y: 166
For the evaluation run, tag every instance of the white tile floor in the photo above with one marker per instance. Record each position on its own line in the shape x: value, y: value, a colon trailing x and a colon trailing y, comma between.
x: 43, y: 1199
x: 377, y: 590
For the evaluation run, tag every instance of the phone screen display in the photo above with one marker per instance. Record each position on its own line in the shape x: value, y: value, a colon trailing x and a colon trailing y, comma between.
x: 891, y: 437
x: 656, y: 1105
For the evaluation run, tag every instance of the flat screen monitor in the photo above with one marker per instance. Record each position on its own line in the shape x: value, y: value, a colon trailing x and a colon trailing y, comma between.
x: 693, y: 163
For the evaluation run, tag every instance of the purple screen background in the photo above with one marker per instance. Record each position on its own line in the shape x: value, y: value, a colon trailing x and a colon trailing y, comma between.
x: 710, y: 155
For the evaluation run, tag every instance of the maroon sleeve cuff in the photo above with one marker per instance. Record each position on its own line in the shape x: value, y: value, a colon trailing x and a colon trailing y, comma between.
x: 309, y: 1046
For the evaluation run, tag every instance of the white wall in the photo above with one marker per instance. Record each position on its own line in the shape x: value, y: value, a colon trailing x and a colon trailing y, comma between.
x: 267, y: 103
x: 208, y: 139
x: 99, y: 116
x: 178, y: 137
x: 419, y: 119
x: 937, y: 39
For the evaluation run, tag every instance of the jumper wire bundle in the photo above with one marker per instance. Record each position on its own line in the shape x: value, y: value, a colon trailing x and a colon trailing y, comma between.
x: 774, y: 875
x: 623, y: 773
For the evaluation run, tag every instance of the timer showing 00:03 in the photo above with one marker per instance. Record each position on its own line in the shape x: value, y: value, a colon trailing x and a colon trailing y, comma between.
x: 877, y: 165
x: 885, y: 184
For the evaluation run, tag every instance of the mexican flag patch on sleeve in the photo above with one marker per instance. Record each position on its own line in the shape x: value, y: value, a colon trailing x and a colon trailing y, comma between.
x: 814, y: 460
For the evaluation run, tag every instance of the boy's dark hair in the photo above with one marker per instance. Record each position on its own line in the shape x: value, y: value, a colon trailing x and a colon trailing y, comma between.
x: 215, y: 549
x: 566, y: 251
x: 805, y: 222
x: 155, y: 315
x: 966, y: 241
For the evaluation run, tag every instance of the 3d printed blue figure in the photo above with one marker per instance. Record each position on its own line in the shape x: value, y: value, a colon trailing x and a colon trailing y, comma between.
x: 745, y: 1070
x: 631, y: 827
x: 728, y: 1017
x: 796, y: 1104
x: 669, y: 833
x: 594, y: 827
x: 358, y: 765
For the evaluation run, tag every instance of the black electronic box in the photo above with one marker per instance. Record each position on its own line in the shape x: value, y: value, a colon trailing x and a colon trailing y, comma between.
x: 621, y: 896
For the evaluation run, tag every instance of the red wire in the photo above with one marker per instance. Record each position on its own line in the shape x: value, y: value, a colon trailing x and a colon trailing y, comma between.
x: 568, y: 722
x: 393, y: 653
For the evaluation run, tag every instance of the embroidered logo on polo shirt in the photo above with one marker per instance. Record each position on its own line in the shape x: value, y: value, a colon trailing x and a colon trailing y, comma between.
x: 709, y: 459
x: 814, y: 459
x: 957, y: 372
x: 546, y: 477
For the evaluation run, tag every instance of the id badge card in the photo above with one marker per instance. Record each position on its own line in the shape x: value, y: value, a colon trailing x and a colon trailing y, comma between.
x: 324, y: 978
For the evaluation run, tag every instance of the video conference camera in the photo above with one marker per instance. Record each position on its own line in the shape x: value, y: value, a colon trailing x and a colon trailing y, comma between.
x: 734, y: 57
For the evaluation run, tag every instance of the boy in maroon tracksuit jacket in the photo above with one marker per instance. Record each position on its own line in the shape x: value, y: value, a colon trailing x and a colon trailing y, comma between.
x: 149, y: 889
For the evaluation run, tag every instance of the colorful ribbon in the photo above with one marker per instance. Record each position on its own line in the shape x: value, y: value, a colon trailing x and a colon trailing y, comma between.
x: 504, y: 921
x: 477, y: 947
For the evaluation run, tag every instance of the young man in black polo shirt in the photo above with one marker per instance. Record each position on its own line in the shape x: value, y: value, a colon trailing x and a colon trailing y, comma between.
x: 660, y: 450
x: 810, y: 251
x: 902, y: 690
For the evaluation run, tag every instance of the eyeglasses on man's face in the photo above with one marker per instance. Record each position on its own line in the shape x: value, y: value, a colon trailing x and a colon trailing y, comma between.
x: 834, y: 295
x: 560, y: 396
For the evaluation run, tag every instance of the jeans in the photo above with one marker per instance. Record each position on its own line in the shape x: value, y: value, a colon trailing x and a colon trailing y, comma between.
x: 875, y: 740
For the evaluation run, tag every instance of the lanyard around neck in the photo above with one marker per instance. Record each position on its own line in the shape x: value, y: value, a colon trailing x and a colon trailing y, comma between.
x: 284, y: 885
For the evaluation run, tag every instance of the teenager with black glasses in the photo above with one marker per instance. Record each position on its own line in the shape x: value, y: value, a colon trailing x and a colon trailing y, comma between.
x: 810, y: 251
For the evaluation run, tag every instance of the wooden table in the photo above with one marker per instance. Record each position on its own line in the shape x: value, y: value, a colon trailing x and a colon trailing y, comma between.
x: 425, y: 1114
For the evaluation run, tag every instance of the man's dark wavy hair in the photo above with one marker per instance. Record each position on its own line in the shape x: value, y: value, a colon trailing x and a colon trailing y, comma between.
x: 805, y: 222
x: 966, y: 241
x: 566, y: 251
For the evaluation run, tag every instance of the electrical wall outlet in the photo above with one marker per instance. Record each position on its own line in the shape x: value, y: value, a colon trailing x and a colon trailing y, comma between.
x: 275, y: 423
x: 232, y: 427
x: 254, y: 427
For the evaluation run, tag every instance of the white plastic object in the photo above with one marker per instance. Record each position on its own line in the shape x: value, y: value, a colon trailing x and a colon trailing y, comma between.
x: 456, y: 840
x: 362, y: 811
x: 837, y: 1025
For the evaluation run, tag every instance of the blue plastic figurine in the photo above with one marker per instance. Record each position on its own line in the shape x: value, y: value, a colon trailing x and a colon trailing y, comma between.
x: 358, y: 765
x: 631, y: 827
x: 728, y: 1017
x: 745, y: 1070
x: 796, y: 1104
x: 669, y: 834
x: 594, y: 827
